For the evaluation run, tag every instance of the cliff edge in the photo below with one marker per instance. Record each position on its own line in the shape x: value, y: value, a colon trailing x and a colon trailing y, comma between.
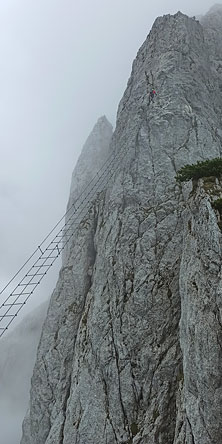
x: 130, y: 350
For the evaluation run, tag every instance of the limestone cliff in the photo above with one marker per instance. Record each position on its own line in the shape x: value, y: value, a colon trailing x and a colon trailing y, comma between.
x: 93, y: 156
x: 18, y: 349
x: 130, y: 350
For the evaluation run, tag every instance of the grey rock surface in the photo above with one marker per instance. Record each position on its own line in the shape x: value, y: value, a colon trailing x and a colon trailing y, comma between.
x: 212, y: 23
x: 130, y: 350
x: 84, y: 183
x: 92, y: 157
x: 200, y: 325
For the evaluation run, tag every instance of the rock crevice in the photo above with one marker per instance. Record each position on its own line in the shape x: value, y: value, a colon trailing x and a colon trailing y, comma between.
x: 131, y: 347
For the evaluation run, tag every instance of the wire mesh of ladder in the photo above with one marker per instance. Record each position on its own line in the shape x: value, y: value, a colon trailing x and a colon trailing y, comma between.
x: 26, y: 286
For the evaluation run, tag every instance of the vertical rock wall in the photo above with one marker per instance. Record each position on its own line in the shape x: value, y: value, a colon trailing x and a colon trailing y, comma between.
x: 118, y: 361
x: 200, y: 326
x: 91, y: 161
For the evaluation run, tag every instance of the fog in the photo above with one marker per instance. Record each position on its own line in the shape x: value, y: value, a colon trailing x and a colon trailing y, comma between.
x: 17, y: 351
x: 64, y: 63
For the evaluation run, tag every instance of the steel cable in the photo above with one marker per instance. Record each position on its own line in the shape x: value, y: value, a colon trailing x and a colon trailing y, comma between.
x: 58, y: 243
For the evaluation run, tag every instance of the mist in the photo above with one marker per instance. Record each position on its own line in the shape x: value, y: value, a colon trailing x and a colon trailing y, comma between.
x: 17, y: 351
x: 64, y: 64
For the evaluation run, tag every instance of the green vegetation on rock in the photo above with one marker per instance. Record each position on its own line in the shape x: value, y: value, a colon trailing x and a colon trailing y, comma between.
x: 206, y: 168
x: 217, y: 205
x: 134, y: 429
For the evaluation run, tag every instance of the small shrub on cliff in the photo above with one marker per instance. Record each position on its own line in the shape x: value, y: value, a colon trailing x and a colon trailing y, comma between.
x: 217, y: 205
x: 206, y: 168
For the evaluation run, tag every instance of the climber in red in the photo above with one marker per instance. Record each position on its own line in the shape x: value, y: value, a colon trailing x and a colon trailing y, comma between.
x: 152, y: 95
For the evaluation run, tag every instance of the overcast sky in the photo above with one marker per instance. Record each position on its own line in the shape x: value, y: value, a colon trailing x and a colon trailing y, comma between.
x: 64, y: 63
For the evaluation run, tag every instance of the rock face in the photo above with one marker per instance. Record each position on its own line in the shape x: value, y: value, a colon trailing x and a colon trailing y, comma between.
x: 92, y: 157
x: 212, y: 23
x: 84, y: 181
x: 201, y: 326
x: 130, y: 350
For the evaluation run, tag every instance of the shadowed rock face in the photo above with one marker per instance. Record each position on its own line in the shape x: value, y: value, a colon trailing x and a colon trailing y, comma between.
x: 18, y: 349
x: 92, y: 158
x: 131, y: 348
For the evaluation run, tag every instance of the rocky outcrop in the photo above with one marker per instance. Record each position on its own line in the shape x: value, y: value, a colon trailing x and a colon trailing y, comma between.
x: 128, y: 353
x: 84, y: 186
x: 92, y: 157
x: 212, y: 23
x: 18, y: 349
x: 200, y: 325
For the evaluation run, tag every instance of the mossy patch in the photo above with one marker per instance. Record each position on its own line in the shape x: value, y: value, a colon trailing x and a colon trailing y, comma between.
x: 219, y: 223
x: 217, y: 205
x: 134, y: 428
x: 180, y: 376
x: 84, y: 319
x: 156, y: 413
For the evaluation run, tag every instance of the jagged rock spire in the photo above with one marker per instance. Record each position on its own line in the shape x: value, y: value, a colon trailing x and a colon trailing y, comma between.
x: 120, y: 355
x: 92, y: 157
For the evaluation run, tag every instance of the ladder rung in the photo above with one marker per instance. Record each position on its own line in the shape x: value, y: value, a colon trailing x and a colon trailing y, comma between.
x: 48, y: 257
x: 7, y: 316
x: 43, y: 265
x: 28, y: 283
x: 12, y: 305
x: 20, y: 294
x: 36, y: 274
